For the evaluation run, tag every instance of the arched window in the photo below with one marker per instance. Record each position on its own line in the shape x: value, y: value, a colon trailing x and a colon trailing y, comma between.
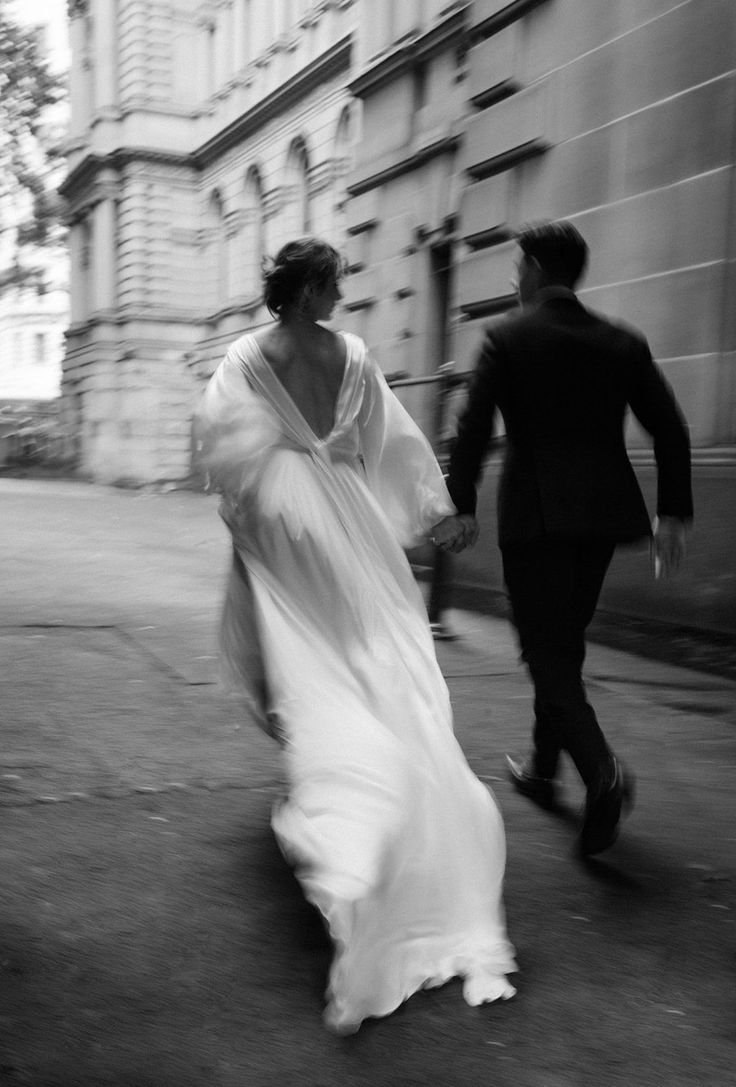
x: 297, y: 172
x: 254, y: 234
x: 342, y: 162
x: 216, y: 248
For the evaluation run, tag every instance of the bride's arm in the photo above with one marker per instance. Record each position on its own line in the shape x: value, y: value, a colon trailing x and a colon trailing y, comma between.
x: 234, y: 430
x: 401, y: 469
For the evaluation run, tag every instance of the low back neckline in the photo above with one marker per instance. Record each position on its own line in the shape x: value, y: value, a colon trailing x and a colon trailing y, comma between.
x: 319, y: 439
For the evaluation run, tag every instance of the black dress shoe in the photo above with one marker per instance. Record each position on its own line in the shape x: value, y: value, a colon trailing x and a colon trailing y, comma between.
x: 540, y: 790
x: 606, y: 801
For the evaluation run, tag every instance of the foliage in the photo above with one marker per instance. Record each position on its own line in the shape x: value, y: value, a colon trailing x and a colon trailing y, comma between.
x: 30, y: 147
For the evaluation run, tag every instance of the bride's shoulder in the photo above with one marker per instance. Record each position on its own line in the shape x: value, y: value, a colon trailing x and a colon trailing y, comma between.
x: 242, y: 347
x: 352, y: 338
x: 251, y: 350
x: 355, y: 346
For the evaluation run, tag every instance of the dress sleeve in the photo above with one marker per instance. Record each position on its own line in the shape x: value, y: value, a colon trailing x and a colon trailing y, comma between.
x: 234, y: 430
x: 401, y: 469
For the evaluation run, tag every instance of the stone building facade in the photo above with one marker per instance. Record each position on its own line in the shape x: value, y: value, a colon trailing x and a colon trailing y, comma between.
x: 418, y: 135
x: 622, y: 117
x: 406, y: 185
x: 617, y: 114
x: 204, y: 134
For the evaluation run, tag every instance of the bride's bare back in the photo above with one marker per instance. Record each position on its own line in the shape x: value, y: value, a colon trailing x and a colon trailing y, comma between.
x: 310, y: 364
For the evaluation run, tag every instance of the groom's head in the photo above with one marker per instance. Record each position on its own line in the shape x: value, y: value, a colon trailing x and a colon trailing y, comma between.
x: 553, y: 254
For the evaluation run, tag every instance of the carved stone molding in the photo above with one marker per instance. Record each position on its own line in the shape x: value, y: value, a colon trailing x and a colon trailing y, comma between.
x: 330, y: 64
x: 104, y: 190
x: 184, y: 236
x: 250, y: 215
x: 321, y: 176
x: 234, y: 221
x: 404, y: 55
x: 275, y: 199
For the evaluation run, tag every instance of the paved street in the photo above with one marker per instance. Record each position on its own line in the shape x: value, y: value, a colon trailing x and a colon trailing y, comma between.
x: 151, y: 935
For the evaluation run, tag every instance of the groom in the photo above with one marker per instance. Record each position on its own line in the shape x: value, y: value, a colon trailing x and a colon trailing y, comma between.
x: 562, y: 377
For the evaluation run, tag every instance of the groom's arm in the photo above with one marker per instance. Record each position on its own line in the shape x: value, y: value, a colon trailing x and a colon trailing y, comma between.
x: 475, y: 427
x: 653, y: 403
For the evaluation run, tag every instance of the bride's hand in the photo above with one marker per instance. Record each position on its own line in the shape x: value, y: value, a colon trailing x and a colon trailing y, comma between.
x: 455, y: 533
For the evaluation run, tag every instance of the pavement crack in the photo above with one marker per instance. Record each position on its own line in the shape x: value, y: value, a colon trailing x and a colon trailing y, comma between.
x: 18, y: 799
x: 665, y: 684
x: 142, y: 650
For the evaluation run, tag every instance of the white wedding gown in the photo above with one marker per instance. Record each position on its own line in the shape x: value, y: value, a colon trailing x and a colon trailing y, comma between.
x: 392, y: 836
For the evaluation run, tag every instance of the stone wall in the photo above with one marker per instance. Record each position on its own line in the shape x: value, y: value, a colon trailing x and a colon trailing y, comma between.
x: 205, y: 135
x: 417, y: 136
x: 621, y: 117
x: 405, y: 190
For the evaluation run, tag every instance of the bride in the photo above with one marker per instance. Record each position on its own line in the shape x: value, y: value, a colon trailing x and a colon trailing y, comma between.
x: 324, y: 480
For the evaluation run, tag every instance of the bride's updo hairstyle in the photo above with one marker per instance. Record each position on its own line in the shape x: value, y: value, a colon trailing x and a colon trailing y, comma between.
x: 297, y: 264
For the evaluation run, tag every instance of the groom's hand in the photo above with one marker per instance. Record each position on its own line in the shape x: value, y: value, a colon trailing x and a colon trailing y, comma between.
x: 668, y: 545
x: 455, y: 533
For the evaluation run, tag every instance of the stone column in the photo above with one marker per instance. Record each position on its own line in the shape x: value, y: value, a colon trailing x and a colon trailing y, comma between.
x: 269, y: 21
x: 106, y: 55
x: 76, y: 277
x: 254, y: 29
x: 77, y: 73
x: 238, y: 36
x: 222, y: 45
x: 105, y: 244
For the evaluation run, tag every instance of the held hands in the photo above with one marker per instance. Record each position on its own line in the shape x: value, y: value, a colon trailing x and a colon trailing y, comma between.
x: 668, y: 545
x: 455, y: 533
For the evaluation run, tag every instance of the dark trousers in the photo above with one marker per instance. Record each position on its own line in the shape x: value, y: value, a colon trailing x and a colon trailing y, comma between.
x: 553, y: 587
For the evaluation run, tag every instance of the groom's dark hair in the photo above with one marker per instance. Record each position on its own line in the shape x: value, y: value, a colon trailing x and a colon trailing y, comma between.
x: 558, y: 247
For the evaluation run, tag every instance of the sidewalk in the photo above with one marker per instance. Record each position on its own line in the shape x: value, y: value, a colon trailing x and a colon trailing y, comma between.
x: 152, y: 935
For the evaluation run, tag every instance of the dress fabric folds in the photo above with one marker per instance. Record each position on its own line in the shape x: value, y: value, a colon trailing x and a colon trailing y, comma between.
x: 391, y: 835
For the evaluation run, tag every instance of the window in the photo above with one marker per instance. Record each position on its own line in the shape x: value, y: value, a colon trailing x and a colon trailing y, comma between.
x: 342, y: 161
x: 216, y: 244
x: 254, y: 236
x: 298, y: 178
x: 39, y: 348
x: 419, y: 98
x: 211, y: 58
x: 420, y: 87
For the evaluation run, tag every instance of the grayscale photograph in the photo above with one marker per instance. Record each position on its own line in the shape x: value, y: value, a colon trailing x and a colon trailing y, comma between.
x: 367, y: 575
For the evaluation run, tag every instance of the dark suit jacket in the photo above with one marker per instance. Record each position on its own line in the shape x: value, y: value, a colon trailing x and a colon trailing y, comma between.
x: 562, y: 378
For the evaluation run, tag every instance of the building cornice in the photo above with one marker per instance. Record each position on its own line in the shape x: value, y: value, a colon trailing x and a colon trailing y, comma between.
x: 329, y: 64
x: 403, y: 164
x: 131, y: 316
x: 502, y: 16
x: 84, y: 173
x: 407, y: 54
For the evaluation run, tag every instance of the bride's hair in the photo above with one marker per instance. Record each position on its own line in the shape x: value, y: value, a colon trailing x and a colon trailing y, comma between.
x: 298, y: 263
